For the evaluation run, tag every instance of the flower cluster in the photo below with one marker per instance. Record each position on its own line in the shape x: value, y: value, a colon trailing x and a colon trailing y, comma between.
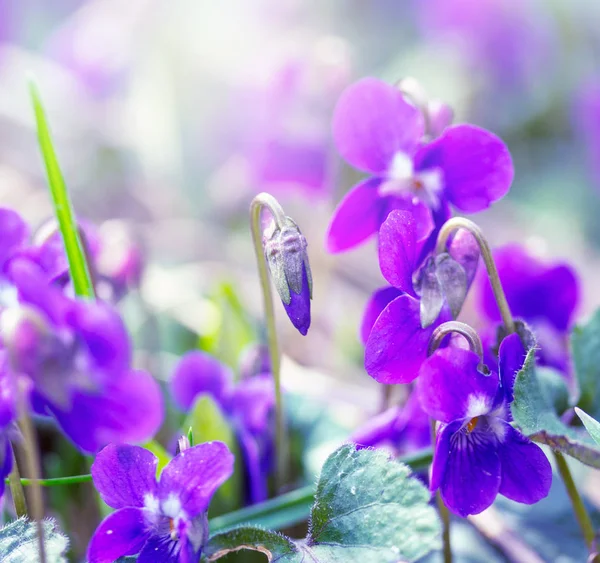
x: 421, y: 166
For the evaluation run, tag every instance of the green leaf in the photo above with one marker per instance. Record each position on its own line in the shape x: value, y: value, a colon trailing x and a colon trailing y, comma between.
x: 208, y: 424
x: 585, y: 345
x: 78, y: 267
x: 367, y: 508
x: 591, y: 425
x: 534, y: 413
x: 19, y: 542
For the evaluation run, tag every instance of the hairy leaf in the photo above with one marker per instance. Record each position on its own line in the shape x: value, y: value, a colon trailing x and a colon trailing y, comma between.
x: 19, y: 542
x: 591, y: 425
x: 585, y: 344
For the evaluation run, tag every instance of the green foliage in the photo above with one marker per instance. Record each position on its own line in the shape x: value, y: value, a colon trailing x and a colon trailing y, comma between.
x: 585, y: 344
x: 591, y: 425
x: 19, y: 542
x: 534, y: 414
x: 367, y: 508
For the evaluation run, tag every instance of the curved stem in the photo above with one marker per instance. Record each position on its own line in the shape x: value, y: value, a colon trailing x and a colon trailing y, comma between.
x: 450, y: 327
x: 583, y: 518
x: 461, y: 223
x: 442, y: 509
x: 16, y: 489
x: 261, y: 201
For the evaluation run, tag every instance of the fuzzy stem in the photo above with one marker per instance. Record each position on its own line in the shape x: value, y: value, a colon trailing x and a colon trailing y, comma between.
x: 583, y: 518
x: 442, y: 509
x: 261, y: 201
x: 16, y: 489
x: 456, y: 223
x: 468, y: 332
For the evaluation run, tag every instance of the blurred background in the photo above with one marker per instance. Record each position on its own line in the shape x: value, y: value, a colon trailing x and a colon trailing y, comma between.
x: 169, y: 117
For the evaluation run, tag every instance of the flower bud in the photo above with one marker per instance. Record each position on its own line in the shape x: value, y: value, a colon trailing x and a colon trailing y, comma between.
x: 285, y: 251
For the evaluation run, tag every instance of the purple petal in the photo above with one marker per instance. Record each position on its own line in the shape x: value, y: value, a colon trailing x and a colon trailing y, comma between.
x: 103, y: 332
x: 398, y: 249
x: 412, y: 430
x: 376, y: 430
x: 195, y: 474
x: 476, y: 166
x: 298, y: 309
x: 252, y: 402
x: 124, y: 475
x: 124, y: 532
x: 372, y: 122
x: 526, y: 471
x: 443, y: 447
x: 511, y: 359
x: 13, y: 232
x: 257, y: 483
x: 378, y: 301
x: 472, y: 476
x: 160, y: 548
x: 465, y: 250
x: 397, y: 345
x: 131, y: 409
x: 357, y: 217
x: 199, y: 373
x: 451, y: 387
x: 6, y: 461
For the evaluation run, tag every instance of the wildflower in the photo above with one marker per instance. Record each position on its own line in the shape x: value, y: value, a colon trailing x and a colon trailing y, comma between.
x: 398, y: 339
x: 164, y: 520
x: 545, y: 295
x: 77, y: 356
x: 248, y: 406
x: 478, y: 454
x: 377, y: 130
x: 285, y: 251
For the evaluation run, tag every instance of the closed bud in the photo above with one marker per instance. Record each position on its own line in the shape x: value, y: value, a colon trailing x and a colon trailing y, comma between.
x: 285, y: 251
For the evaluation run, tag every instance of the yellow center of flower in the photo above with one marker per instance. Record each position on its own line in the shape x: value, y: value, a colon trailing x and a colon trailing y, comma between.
x: 172, y: 530
x: 472, y: 424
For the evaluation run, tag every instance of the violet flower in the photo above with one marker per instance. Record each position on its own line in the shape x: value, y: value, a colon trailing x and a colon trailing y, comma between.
x: 248, y: 405
x: 13, y: 237
x: 420, y: 300
x: 545, y: 295
x: 164, y: 520
x: 77, y: 356
x: 478, y: 454
x: 377, y: 130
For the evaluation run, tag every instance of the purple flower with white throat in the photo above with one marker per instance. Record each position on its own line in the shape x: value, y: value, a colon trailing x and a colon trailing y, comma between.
x: 478, y: 454
x: 164, y: 520
x: 544, y: 294
x: 248, y: 405
x: 399, y: 322
x: 379, y: 131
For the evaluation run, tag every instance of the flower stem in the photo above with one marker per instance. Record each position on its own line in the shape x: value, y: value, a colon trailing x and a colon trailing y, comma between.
x: 261, y: 201
x: 16, y: 489
x: 583, y: 518
x: 456, y: 223
x: 442, y: 509
x: 55, y: 482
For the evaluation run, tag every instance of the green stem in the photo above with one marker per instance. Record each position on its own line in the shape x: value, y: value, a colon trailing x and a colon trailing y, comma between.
x: 16, y: 489
x: 57, y: 481
x: 294, y: 507
x: 583, y: 518
x: 456, y: 223
x: 258, y: 203
x: 442, y: 509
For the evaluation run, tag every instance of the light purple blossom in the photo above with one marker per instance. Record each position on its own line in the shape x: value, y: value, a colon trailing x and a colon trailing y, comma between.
x: 478, y: 454
x: 161, y: 520
x: 377, y: 130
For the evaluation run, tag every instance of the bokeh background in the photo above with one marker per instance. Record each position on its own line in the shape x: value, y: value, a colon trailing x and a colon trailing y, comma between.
x: 169, y: 116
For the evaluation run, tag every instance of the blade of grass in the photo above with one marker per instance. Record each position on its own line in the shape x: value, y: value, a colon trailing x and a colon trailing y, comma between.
x: 78, y: 267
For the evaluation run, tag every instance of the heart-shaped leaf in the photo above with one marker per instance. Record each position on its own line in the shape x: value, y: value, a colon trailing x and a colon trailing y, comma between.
x: 19, y: 542
x: 367, y: 508
x: 585, y: 345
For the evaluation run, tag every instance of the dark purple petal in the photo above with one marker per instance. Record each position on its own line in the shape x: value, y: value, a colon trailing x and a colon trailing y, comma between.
x: 511, y: 359
x: 298, y: 309
x: 6, y: 461
x: 397, y: 345
x: 398, y: 249
x: 526, y: 471
x: 534, y: 290
x: 257, y: 479
x: 378, y: 301
x: 443, y: 447
x: 13, y: 232
x: 451, y: 387
x: 124, y: 532
x: 372, y: 122
x: 124, y: 475
x: 412, y: 429
x: 377, y: 430
x: 160, y: 548
x: 130, y: 409
x: 472, y: 476
x: 476, y: 166
x: 195, y: 474
x: 199, y: 373
x: 251, y: 403
x: 357, y: 217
